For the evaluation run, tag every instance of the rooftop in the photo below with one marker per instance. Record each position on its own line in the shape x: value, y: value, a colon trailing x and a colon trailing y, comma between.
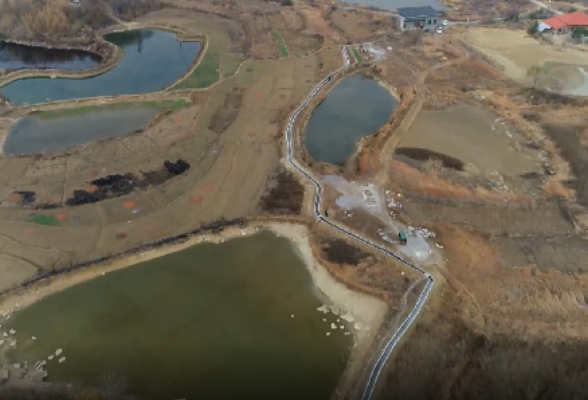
x: 418, y: 12
x: 573, y: 19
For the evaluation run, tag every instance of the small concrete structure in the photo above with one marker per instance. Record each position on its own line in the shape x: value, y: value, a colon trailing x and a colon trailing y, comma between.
x: 426, y: 18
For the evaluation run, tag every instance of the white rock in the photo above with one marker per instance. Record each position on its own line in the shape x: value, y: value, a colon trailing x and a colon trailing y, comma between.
x: 348, y: 317
x: 58, y: 352
x: 335, y: 310
x: 347, y: 333
x: 62, y: 359
x: 5, y: 334
x: 324, y: 309
x: 12, y: 331
x: 34, y: 338
x: 1, y: 342
x: 333, y: 326
x: 292, y: 316
x: 341, y: 327
x: 13, y: 343
x: 328, y: 333
x: 50, y: 357
x: 324, y: 320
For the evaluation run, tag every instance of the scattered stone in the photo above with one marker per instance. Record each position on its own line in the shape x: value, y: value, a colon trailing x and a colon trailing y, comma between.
x: 335, y: 310
x: 58, y: 352
x: 324, y: 309
x: 328, y: 333
x: 358, y: 326
x: 347, y: 333
x: 333, y: 326
x: 324, y: 320
x: 338, y: 319
x: 348, y: 317
x: 341, y: 327
x: 13, y: 343
x: 5, y: 334
x: 34, y: 338
x: 50, y: 357
x: 292, y: 316
x: 1, y: 342
x: 62, y: 359
x: 12, y: 331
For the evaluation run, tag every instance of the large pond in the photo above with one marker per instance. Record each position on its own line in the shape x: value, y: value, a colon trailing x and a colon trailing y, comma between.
x: 230, y: 321
x: 394, y: 4
x: 16, y: 56
x: 153, y: 59
x: 356, y: 107
x: 38, y: 134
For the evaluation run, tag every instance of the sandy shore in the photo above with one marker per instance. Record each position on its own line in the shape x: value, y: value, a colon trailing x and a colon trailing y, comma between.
x: 365, y: 309
x: 368, y: 312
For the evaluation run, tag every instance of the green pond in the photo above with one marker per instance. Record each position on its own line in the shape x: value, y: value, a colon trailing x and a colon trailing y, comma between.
x: 231, y: 321
x: 35, y: 134
x: 153, y: 59
x: 356, y: 107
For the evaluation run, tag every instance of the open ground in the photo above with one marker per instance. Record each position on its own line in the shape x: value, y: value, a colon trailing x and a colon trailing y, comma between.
x: 506, y: 225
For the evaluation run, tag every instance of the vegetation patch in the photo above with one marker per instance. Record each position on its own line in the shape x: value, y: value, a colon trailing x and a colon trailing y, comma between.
x: 568, y: 140
x: 42, y: 219
x: 338, y: 251
x: 278, y: 38
x: 425, y: 155
x: 162, y: 106
x: 357, y: 55
x: 284, y: 194
x: 227, y: 112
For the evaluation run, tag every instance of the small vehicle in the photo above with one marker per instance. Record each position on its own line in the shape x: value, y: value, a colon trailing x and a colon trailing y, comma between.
x: 439, y: 30
x: 445, y: 22
x: 402, y: 237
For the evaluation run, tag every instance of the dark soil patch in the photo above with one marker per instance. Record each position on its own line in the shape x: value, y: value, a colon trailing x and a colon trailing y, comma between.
x: 284, y: 194
x: 23, y: 197
x: 338, y: 251
x: 567, y: 138
x: 113, y: 186
x: 227, y: 112
x: 424, y: 155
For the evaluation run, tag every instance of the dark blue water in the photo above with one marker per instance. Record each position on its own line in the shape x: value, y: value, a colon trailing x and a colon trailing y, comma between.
x: 356, y: 107
x: 16, y: 56
x: 153, y: 60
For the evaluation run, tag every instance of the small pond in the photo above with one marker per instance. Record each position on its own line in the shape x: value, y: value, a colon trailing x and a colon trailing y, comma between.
x: 356, y: 107
x: 38, y: 134
x: 231, y: 321
x: 16, y: 56
x: 153, y: 60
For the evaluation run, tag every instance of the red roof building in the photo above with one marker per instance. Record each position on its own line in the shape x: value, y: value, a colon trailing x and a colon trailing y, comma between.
x: 566, y: 22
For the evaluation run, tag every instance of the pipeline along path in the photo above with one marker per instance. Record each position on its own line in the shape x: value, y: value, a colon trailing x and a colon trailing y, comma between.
x: 397, y: 335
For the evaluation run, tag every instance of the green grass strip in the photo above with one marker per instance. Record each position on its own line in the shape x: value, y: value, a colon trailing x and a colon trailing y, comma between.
x: 205, y: 74
x: 47, y: 220
x: 278, y: 38
x: 161, y: 106
x: 357, y: 55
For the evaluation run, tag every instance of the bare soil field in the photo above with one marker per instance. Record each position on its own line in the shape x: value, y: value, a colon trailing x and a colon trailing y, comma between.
x: 515, y: 51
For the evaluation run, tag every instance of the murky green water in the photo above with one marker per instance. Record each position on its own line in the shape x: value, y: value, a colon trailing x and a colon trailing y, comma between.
x: 153, y: 59
x: 210, y: 322
x: 34, y: 134
x: 356, y: 107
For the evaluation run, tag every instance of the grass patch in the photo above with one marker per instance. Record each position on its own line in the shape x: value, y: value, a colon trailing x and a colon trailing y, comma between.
x: 357, y: 55
x: 161, y: 106
x: 229, y: 65
x: 278, y: 38
x: 47, y: 220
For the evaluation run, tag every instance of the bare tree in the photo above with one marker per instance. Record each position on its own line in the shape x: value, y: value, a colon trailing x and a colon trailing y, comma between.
x: 112, y: 386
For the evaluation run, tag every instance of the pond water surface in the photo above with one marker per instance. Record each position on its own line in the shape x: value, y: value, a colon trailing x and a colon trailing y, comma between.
x: 35, y: 134
x: 153, y: 59
x: 231, y: 321
x: 394, y: 4
x: 356, y: 107
x: 16, y: 56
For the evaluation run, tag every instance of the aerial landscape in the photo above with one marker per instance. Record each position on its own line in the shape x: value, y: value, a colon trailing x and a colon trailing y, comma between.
x: 295, y: 199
